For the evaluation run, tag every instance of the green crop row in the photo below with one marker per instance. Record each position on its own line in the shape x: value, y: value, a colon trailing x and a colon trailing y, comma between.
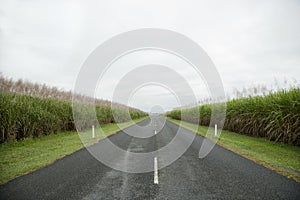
x: 275, y: 116
x: 23, y: 116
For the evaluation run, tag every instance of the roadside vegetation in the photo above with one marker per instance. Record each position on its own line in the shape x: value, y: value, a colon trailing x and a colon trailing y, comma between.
x: 283, y: 158
x: 21, y: 157
x: 275, y: 116
x: 31, y: 110
x: 37, y: 125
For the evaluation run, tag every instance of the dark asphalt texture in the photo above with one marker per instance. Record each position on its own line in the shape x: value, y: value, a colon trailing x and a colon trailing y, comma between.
x: 220, y: 175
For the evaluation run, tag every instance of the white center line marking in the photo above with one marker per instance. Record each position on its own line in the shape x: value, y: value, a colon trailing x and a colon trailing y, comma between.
x: 155, y: 171
x: 155, y: 132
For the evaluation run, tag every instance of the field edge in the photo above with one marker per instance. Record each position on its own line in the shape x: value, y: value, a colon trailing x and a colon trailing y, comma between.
x: 4, y: 180
x: 285, y: 171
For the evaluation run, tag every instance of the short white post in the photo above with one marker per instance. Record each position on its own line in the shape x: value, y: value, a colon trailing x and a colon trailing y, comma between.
x: 93, y: 131
x: 216, y: 130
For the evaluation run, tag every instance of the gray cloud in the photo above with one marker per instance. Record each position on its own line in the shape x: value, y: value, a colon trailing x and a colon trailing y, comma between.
x: 249, y: 41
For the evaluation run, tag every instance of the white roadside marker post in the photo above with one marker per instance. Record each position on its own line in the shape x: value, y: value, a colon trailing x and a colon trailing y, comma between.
x: 216, y: 130
x: 93, y: 131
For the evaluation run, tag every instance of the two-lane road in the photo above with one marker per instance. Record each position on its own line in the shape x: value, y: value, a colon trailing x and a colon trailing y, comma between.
x: 221, y: 175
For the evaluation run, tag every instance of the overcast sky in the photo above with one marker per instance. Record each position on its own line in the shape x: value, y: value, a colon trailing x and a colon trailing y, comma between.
x: 250, y: 42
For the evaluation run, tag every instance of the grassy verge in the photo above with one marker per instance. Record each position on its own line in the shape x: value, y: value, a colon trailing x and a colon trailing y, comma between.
x: 22, y: 157
x: 282, y: 158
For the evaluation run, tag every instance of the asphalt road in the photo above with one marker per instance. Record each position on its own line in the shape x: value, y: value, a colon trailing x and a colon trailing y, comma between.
x: 221, y: 175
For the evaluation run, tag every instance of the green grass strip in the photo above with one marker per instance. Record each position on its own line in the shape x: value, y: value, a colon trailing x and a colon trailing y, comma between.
x: 282, y: 158
x: 21, y: 157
